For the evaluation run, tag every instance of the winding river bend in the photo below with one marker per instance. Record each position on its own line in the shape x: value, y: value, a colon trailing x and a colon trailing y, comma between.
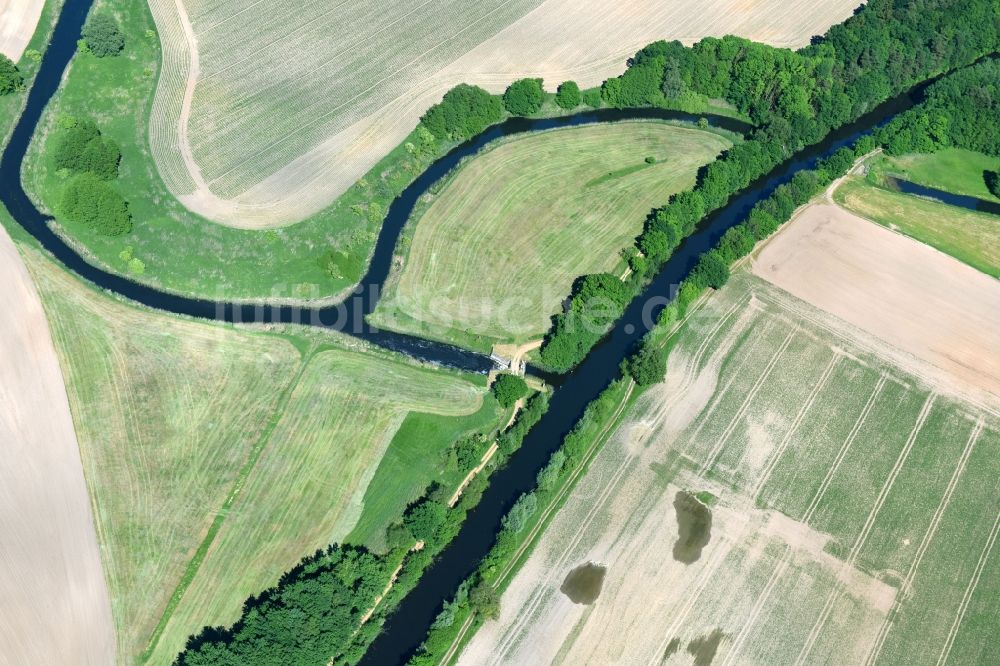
x: 407, y: 627
x: 349, y: 315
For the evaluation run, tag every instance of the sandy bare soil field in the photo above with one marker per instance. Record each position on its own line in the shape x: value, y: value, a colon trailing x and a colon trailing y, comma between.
x: 18, y: 19
x: 919, y: 300
x: 259, y: 123
x: 54, y: 606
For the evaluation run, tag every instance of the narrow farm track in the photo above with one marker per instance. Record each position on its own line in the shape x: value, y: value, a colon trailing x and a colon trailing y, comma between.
x: 553, y: 506
x: 862, y: 537
x: 963, y: 607
x: 905, y: 587
x: 845, y: 447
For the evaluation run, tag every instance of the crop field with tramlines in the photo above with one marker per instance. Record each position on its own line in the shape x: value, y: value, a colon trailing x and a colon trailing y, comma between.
x: 217, y: 458
x: 259, y: 122
x: 854, y: 509
x: 497, y: 249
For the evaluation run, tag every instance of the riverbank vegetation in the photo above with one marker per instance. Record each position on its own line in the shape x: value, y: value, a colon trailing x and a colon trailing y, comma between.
x: 491, y: 253
x: 12, y: 102
x: 346, y: 616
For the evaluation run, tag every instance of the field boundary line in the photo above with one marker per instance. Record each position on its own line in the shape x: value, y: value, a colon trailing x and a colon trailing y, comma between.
x: 751, y: 620
x: 194, y: 564
x: 751, y: 395
x: 868, y: 344
x: 844, y: 448
x: 786, y: 440
x: 969, y: 589
x: 876, y: 650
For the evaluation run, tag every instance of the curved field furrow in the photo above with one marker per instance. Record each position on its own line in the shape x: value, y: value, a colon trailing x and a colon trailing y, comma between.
x: 497, y: 250
x: 284, y: 115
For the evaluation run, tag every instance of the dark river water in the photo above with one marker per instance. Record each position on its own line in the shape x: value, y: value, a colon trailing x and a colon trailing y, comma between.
x: 961, y: 200
x: 407, y: 627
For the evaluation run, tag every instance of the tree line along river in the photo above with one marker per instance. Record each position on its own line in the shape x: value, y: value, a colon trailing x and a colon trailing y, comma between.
x: 407, y: 627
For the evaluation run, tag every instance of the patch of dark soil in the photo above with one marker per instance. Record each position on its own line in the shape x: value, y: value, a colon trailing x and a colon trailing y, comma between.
x: 694, y: 527
x: 583, y: 584
x: 703, y: 649
x: 672, y: 647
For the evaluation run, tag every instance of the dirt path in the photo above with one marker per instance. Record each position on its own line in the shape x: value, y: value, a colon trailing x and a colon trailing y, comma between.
x: 468, y: 477
x: 54, y: 604
x: 18, y: 19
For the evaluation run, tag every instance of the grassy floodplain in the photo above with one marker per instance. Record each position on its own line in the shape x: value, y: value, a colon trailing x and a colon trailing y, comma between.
x: 216, y: 458
x: 497, y: 248
x: 971, y: 237
x: 855, y: 513
x: 952, y: 169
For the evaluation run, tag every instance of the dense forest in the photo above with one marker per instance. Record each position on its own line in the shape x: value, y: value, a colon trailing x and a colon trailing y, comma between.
x: 11, y: 79
x: 796, y: 98
x: 961, y: 110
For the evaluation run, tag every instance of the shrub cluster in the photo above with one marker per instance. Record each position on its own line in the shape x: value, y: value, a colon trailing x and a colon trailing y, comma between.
x: 10, y: 78
x: 79, y: 146
x: 508, y: 389
x: 524, y: 97
x: 597, y: 301
x: 465, y: 111
x: 89, y: 201
x: 568, y: 95
x: 102, y: 36
x: 992, y: 179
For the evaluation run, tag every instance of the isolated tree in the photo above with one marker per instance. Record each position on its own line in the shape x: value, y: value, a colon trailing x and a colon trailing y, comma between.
x: 648, y: 366
x: 10, y: 79
x: 90, y: 201
x: 102, y: 36
x: 992, y: 179
x: 711, y: 271
x: 508, y: 389
x: 485, y: 600
x: 524, y: 97
x: 568, y: 95
x: 424, y: 517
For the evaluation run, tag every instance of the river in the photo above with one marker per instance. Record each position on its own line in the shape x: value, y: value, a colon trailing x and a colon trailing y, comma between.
x: 406, y: 628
